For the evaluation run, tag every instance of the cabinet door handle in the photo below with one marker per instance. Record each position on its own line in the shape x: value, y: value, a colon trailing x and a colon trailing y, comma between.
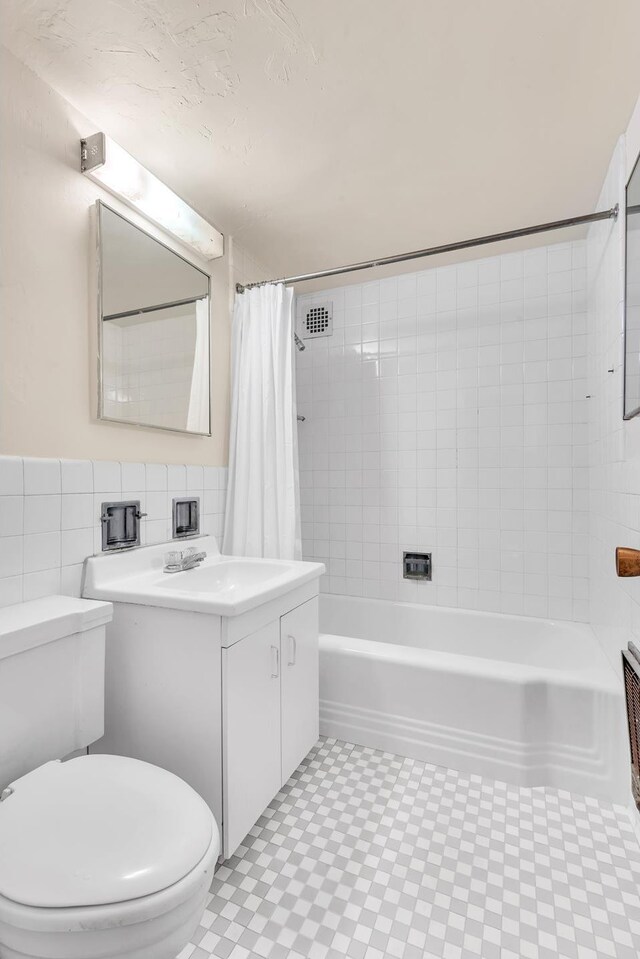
x: 275, y: 662
x: 292, y: 651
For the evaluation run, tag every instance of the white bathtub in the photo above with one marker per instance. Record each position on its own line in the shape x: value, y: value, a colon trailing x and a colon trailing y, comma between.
x: 523, y: 700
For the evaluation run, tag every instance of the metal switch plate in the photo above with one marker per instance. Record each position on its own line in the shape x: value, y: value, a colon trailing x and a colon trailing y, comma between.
x: 416, y: 566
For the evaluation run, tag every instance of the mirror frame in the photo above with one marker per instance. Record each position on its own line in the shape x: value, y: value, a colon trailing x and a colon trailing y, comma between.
x: 627, y: 414
x: 99, y: 206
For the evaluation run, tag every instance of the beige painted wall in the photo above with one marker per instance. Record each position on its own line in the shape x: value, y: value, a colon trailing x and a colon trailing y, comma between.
x: 47, y: 293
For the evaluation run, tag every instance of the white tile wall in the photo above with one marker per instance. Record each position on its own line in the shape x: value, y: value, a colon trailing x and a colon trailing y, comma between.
x: 50, y: 515
x: 447, y: 413
x: 614, y: 447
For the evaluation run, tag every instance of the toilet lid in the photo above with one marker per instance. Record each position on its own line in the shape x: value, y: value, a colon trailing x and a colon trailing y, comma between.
x: 97, y: 830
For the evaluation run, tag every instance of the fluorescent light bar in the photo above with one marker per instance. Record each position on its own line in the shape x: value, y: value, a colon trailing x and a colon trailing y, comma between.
x: 117, y: 171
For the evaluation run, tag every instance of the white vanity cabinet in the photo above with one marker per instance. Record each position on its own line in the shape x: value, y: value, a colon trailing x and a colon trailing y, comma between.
x: 211, y: 673
x: 251, y: 731
x: 299, y: 686
x: 269, y: 714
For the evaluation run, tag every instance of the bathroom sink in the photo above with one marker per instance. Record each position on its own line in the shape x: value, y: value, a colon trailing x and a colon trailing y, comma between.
x: 225, y: 576
x: 224, y: 585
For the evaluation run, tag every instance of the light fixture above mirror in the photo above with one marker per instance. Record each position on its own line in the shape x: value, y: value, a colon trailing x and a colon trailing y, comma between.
x: 105, y: 162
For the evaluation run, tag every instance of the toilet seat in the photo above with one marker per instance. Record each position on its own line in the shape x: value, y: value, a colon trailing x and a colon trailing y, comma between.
x: 152, y: 927
x: 99, y: 830
x: 102, y: 829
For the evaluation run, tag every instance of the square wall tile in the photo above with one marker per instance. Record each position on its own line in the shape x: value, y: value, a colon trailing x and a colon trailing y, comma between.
x: 71, y: 580
x: 177, y: 478
x: 11, y: 515
x: 42, y: 513
x: 11, y: 590
x: 11, y: 476
x: 195, y: 479
x: 156, y: 506
x: 157, y: 531
x: 41, y: 551
x: 211, y: 477
x: 77, y: 476
x: 43, y: 583
x: 133, y: 476
x: 107, y: 476
x: 77, y: 510
x: 76, y: 545
x: 156, y: 477
x: 11, y: 556
x: 41, y: 476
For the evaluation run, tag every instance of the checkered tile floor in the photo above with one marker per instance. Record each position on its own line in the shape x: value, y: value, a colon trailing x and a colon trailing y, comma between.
x: 369, y: 855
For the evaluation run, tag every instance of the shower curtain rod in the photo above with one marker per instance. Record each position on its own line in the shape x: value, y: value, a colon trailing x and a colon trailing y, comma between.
x: 445, y: 248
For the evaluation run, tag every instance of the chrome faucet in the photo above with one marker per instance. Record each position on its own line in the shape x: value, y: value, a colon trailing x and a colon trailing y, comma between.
x: 177, y: 560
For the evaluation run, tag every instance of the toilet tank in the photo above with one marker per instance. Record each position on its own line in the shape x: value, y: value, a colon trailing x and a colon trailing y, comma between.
x: 51, y: 680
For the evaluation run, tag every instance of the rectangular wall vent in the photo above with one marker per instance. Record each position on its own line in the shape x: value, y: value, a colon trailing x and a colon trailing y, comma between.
x: 317, y: 320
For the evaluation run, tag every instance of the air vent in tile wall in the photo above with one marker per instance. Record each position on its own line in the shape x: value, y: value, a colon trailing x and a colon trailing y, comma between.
x: 317, y: 320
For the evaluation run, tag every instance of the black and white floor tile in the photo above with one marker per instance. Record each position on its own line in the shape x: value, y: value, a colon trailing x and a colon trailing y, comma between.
x: 368, y: 855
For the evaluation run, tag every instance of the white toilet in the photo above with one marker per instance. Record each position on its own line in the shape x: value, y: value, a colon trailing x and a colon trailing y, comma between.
x: 101, y: 857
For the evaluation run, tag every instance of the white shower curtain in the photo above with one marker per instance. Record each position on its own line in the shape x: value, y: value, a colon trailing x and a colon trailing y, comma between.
x: 262, y: 515
x: 198, y: 412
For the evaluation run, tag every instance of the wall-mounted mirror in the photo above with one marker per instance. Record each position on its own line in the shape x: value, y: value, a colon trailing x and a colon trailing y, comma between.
x: 632, y: 297
x: 154, y: 331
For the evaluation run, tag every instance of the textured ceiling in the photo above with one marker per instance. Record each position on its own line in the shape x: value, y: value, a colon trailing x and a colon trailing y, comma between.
x: 320, y: 132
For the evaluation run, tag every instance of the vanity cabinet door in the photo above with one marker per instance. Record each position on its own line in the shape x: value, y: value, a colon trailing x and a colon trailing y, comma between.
x: 251, y: 731
x: 299, y: 707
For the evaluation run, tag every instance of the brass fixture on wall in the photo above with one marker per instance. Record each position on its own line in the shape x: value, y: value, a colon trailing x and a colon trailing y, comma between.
x: 627, y: 561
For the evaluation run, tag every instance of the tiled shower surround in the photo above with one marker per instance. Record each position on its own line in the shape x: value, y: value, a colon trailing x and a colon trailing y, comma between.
x: 50, y: 515
x: 447, y: 413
